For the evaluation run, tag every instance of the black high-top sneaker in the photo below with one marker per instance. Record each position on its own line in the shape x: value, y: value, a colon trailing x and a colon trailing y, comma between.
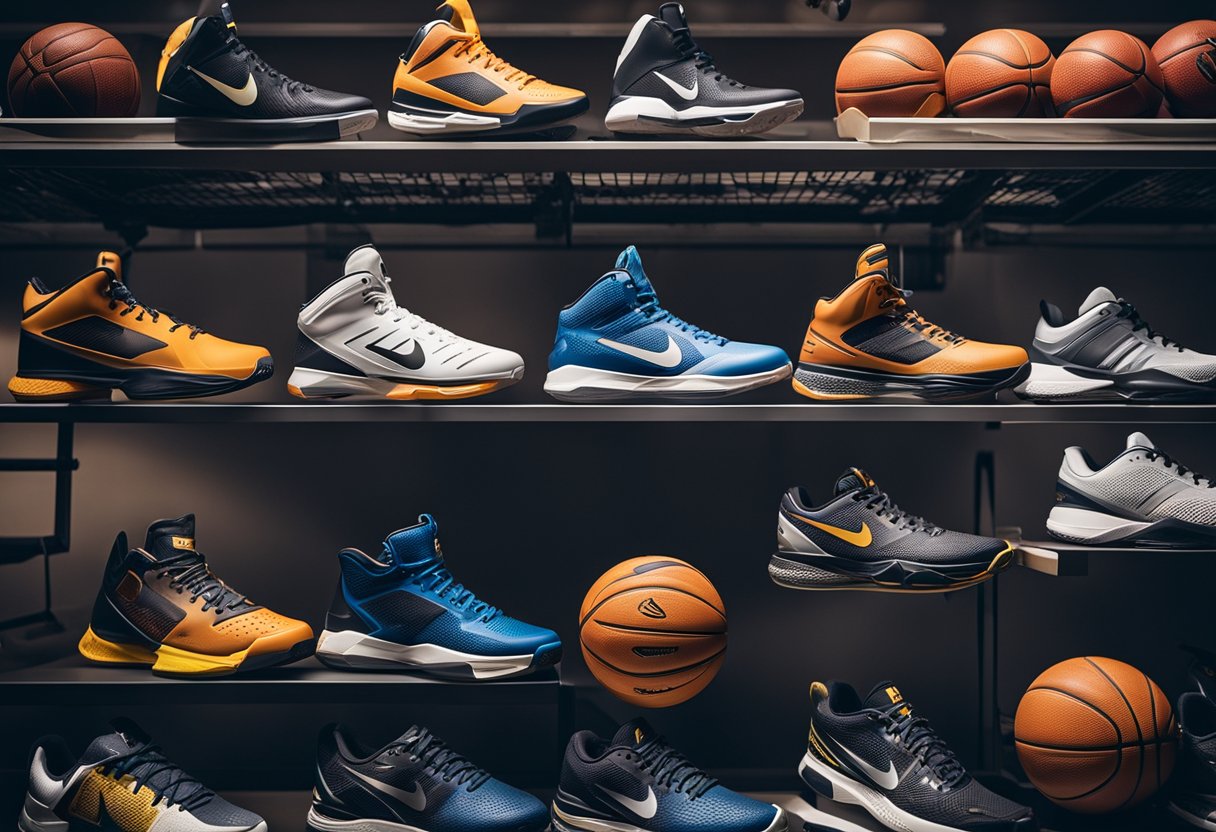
x: 666, y: 83
x: 1193, y: 788
x: 220, y: 90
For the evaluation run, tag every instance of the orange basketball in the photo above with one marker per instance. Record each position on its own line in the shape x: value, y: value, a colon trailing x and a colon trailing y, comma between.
x: 892, y: 74
x: 1095, y: 735
x: 73, y: 69
x: 1004, y: 73
x: 1107, y: 74
x: 653, y: 631
x: 1187, y: 55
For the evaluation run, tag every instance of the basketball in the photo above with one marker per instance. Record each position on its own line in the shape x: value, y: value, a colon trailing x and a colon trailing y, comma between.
x: 1188, y: 65
x: 653, y: 631
x: 73, y: 70
x: 892, y: 74
x: 1095, y: 735
x: 1107, y: 74
x: 1004, y: 73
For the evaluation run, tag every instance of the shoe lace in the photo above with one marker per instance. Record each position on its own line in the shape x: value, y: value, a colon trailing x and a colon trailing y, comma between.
x: 702, y: 60
x: 895, y: 299
x: 246, y: 54
x: 190, y: 573
x: 437, y: 579
x: 118, y: 294
x: 1182, y: 470
x: 916, y: 735
x: 1126, y: 310
x: 477, y: 50
x: 671, y: 768
x: 436, y: 756
x: 386, y: 304
x: 151, y: 769
x: 654, y: 313
x: 882, y: 505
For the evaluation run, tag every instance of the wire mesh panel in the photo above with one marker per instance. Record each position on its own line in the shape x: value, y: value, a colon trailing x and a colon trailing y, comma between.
x: 1026, y: 193
x: 1170, y: 196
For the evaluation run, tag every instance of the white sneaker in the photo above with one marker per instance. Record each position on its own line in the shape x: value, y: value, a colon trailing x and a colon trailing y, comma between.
x: 355, y: 340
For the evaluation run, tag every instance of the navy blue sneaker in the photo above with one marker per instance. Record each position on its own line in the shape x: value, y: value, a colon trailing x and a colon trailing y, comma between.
x: 637, y: 782
x: 617, y: 342
x: 403, y: 610
x: 413, y: 783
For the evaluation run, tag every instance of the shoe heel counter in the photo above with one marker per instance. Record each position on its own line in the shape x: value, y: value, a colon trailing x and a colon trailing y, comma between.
x: 172, y: 46
x: 340, y: 617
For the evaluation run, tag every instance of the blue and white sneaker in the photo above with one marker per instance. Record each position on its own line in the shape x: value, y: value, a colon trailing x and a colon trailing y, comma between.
x: 636, y: 782
x: 403, y: 610
x: 617, y: 342
x: 413, y: 784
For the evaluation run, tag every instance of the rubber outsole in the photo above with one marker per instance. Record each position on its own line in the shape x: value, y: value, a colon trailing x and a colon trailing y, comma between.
x: 420, y: 116
x: 346, y: 650
x: 1050, y: 383
x: 136, y: 384
x: 834, y: 384
x: 200, y: 129
x: 652, y: 117
x: 306, y: 383
x: 171, y: 661
x: 901, y: 576
x: 581, y: 385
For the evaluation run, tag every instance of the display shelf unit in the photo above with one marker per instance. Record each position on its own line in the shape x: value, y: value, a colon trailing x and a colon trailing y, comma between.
x: 1054, y: 557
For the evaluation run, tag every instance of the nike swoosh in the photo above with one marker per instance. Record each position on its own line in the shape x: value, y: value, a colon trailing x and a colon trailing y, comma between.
x: 861, y: 538
x: 416, y: 799
x: 888, y: 779
x: 242, y: 97
x: 411, y: 361
x: 669, y: 357
x: 642, y: 808
x: 687, y: 93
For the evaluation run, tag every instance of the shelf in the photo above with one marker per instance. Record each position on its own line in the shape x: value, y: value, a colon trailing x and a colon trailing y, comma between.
x: 1069, y: 559
x: 218, y: 413
x: 72, y: 680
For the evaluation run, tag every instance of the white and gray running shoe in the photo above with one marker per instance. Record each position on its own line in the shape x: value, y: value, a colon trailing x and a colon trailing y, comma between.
x: 1141, y: 497
x: 1108, y: 353
x: 355, y: 340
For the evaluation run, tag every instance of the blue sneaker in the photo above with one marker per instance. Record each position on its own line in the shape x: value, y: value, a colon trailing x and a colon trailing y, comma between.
x: 413, y: 784
x: 617, y: 342
x: 403, y: 610
x: 636, y: 782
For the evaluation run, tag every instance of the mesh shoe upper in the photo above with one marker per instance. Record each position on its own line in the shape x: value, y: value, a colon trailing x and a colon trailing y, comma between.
x: 1193, y: 787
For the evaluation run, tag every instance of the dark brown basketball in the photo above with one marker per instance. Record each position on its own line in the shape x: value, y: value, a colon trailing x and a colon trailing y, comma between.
x: 1187, y: 55
x: 892, y: 74
x: 1004, y: 73
x: 73, y: 70
x: 1107, y: 74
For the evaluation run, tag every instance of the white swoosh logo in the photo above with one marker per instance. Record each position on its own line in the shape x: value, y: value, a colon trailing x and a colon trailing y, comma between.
x: 242, y: 97
x: 642, y: 808
x: 669, y: 357
x: 687, y: 93
x: 416, y: 799
x: 885, y: 779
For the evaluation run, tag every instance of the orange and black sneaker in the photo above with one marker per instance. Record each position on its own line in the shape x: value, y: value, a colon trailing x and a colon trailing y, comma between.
x: 867, y: 343
x: 92, y: 336
x: 161, y: 607
x: 449, y: 82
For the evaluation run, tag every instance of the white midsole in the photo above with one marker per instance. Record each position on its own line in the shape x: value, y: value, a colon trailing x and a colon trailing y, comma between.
x: 442, y: 122
x: 628, y: 110
x: 327, y: 824
x: 1047, y: 381
x: 1091, y: 526
x: 597, y: 825
x: 572, y: 378
x: 359, y: 650
x: 321, y: 383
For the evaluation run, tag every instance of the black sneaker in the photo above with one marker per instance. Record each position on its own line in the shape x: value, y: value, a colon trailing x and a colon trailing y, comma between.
x: 220, y: 90
x: 880, y: 754
x: 665, y: 83
x: 1193, y: 789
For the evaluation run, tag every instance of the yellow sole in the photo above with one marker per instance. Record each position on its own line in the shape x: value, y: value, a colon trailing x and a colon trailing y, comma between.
x: 799, y: 387
x: 164, y: 659
x: 54, y: 390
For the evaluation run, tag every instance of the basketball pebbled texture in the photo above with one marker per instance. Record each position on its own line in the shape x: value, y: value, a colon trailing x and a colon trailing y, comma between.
x: 73, y: 70
x: 1107, y: 74
x: 653, y: 631
x: 1003, y: 73
x: 1095, y: 735
x: 892, y: 74
x: 1189, y: 93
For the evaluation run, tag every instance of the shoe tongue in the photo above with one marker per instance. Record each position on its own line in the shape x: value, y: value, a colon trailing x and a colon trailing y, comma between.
x: 169, y: 538
x: 852, y: 480
x: 110, y: 260
x: 634, y: 733
x: 874, y: 259
x: 883, y: 695
x: 415, y: 545
x: 126, y: 737
x: 673, y: 15
x: 459, y: 14
x: 365, y: 259
x: 411, y: 734
x: 1097, y: 297
x: 630, y: 261
x: 1139, y: 440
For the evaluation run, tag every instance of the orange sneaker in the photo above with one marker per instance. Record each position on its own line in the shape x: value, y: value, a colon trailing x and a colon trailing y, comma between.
x: 92, y: 336
x: 448, y: 81
x: 867, y: 342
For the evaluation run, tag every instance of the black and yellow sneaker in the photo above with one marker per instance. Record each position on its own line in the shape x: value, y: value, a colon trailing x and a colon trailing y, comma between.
x: 861, y: 540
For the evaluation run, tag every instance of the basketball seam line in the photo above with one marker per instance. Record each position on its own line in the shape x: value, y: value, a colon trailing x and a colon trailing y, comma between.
x: 1089, y: 99
x: 692, y: 633
x: 1135, y: 719
x: 1039, y: 65
x: 1118, y: 747
x: 1002, y: 87
x: 661, y: 565
x: 672, y: 672
x: 693, y: 680
x: 890, y: 52
x: 888, y: 86
x: 592, y: 611
x: 1152, y: 701
x: 1113, y: 724
x: 1197, y: 45
x: 1141, y: 71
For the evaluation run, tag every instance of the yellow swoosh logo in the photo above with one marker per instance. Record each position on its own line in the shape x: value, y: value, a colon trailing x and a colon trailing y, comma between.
x: 242, y: 97
x: 861, y: 539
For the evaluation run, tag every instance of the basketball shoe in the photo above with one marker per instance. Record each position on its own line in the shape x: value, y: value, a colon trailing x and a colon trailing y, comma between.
x: 860, y: 539
x: 1109, y: 353
x: 617, y: 342
x: 1141, y: 497
x: 122, y: 782
x: 665, y: 83
x: 867, y: 342
x: 403, y: 610
x: 92, y: 336
x: 636, y: 782
x: 415, y: 782
x: 161, y: 607
x: 1192, y: 791
x: 355, y: 340
x: 449, y: 82
x: 881, y: 754
x: 219, y: 90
